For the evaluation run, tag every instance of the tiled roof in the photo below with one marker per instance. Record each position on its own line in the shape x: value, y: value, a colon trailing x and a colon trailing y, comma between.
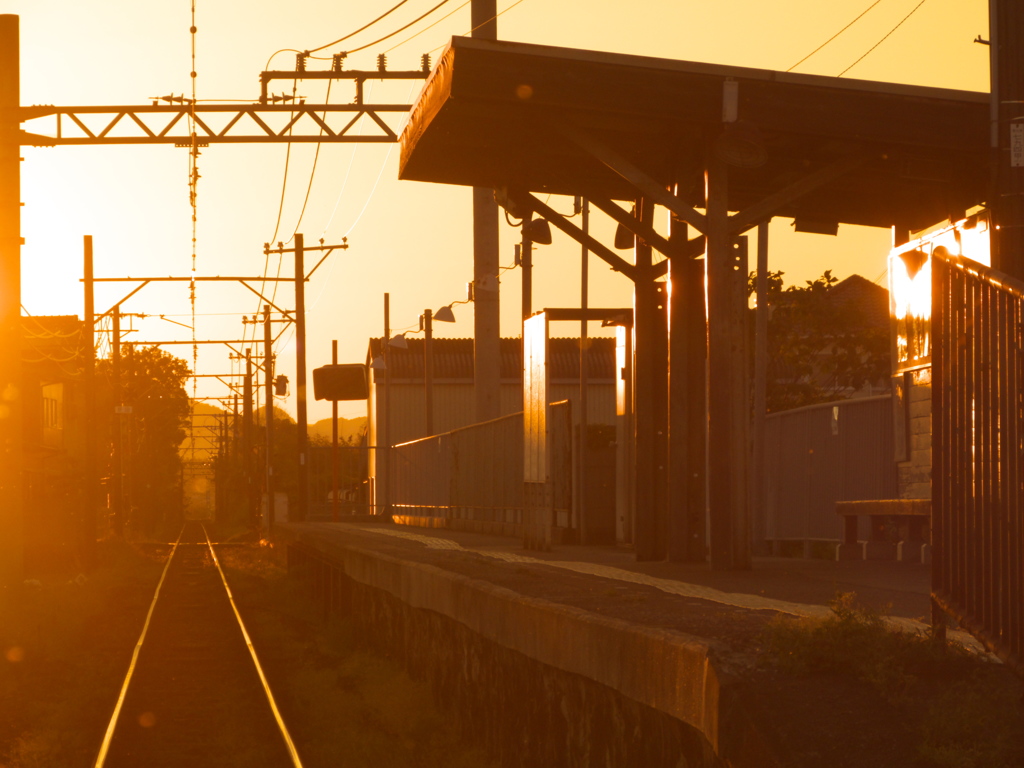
x: 870, y: 299
x: 453, y: 358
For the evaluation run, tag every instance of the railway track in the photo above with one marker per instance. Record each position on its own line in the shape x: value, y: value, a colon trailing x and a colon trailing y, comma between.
x: 195, y: 694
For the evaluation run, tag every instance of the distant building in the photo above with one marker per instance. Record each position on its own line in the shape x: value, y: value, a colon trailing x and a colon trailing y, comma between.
x: 55, y: 351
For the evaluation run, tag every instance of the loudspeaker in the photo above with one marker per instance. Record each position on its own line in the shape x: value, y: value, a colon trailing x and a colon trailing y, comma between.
x: 340, y: 382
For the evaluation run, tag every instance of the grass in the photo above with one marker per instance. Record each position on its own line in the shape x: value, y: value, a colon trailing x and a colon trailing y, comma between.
x: 345, y: 705
x: 64, y: 649
x: 967, y: 715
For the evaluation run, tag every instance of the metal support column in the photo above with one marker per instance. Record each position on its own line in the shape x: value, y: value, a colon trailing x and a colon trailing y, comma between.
x: 651, y: 391
x: 727, y: 401
x: 687, y: 401
x: 12, y: 481
x: 758, y: 510
x: 486, y: 309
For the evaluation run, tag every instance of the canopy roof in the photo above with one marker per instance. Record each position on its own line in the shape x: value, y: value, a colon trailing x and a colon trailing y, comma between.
x: 501, y: 114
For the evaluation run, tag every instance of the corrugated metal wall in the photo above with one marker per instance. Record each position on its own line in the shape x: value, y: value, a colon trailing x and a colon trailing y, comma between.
x: 821, y: 454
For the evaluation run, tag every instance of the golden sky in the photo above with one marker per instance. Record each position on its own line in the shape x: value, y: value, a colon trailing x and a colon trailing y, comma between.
x: 407, y: 238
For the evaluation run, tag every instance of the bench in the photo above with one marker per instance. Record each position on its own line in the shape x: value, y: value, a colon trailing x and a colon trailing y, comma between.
x: 910, y: 515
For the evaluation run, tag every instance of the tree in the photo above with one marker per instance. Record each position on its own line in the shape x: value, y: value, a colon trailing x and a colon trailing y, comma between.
x: 826, y: 340
x: 152, y: 383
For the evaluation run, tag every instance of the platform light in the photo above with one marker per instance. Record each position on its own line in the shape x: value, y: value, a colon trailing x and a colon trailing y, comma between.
x: 445, y: 314
x: 537, y: 231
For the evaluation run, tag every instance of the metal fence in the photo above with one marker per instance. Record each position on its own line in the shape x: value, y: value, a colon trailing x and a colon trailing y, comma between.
x: 977, y: 396
x: 476, y: 473
x: 821, y: 454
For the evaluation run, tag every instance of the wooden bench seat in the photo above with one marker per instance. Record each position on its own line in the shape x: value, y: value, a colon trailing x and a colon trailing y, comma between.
x: 911, y: 514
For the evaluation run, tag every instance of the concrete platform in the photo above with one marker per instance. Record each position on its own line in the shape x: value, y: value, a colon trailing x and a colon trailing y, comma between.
x: 672, y: 638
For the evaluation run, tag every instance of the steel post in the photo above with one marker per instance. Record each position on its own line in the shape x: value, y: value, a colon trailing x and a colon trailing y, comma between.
x: 12, y: 480
x: 91, y: 483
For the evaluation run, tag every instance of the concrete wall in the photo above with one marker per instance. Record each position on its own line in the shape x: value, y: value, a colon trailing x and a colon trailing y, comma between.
x: 538, y: 683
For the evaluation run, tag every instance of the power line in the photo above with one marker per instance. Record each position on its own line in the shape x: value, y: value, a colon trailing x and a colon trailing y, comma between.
x: 400, y: 29
x: 366, y: 26
x: 471, y: 31
x: 431, y: 26
x: 837, y: 34
x: 884, y: 38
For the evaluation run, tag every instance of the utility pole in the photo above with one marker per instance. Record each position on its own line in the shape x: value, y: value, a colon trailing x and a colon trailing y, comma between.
x: 302, y: 437
x: 486, y: 307
x: 584, y: 523
x: 117, y: 468
x: 1006, y: 55
x: 88, y: 530
x: 247, y: 435
x: 385, y: 493
x: 428, y: 368
x: 268, y: 375
x: 334, y: 442
x: 12, y: 479
x: 526, y: 265
x: 300, y: 278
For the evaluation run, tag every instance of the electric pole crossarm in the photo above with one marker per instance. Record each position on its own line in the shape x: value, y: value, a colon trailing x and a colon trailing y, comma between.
x: 252, y: 123
x: 267, y: 250
x: 264, y: 299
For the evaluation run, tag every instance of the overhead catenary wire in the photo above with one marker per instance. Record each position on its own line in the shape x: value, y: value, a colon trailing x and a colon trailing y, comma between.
x: 837, y: 34
x: 399, y: 30
x: 365, y: 26
x: 884, y: 38
x: 469, y: 32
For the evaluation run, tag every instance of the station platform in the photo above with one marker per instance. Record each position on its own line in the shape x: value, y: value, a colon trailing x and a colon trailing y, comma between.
x: 795, y: 586
x: 677, y: 640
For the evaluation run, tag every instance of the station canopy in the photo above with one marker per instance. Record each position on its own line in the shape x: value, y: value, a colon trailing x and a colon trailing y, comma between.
x: 504, y: 114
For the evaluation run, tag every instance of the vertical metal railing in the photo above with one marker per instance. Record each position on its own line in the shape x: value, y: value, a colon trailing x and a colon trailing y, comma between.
x: 476, y: 472
x: 472, y: 473
x: 977, y: 449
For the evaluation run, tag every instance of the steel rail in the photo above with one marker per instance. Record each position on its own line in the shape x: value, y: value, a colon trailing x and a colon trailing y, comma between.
x: 109, y: 734
x: 252, y: 652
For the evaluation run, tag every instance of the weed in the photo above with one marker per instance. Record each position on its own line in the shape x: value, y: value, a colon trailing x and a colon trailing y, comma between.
x: 978, y: 720
x: 973, y: 725
x: 855, y: 639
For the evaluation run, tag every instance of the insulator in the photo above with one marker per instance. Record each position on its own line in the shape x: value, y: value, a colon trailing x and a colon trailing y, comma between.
x: 338, y: 62
x: 382, y: 61
x: 425, y: 62
x: 300, y: 62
